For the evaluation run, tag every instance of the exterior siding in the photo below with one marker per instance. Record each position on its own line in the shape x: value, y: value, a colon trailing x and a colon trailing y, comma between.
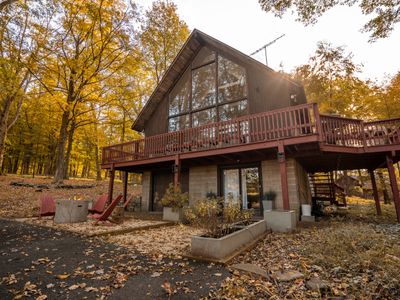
x: 268, y: 92
x: 158, y: 122
x: 202, y: 180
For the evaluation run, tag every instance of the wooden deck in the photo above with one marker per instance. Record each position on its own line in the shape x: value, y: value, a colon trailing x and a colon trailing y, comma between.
x: 290, y: 126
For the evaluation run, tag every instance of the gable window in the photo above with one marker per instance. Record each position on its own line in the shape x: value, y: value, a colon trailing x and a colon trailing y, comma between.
x: 212, y: 89
x: 203, y: 87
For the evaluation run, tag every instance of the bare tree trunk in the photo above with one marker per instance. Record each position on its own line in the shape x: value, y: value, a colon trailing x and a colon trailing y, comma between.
x: 386, y: 198
x: 62, y: 140
x: 362, y: 183
x: 98, y: 168
x: 4, y: 127
x: 346, y: 182
x: 69, y: 148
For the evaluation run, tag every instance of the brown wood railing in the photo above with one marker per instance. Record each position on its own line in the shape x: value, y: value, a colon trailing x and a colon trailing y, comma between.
x: 357, y: 133
x: 278, y: 124
x: 290, y: 122
x: 342, y: 131
x: 384, y: 132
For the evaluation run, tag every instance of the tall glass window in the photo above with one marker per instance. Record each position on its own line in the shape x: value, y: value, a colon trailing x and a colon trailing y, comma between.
x: 212, y: 89
x: 231, y: 81
x: 203, y: 87
x: 180, y: 96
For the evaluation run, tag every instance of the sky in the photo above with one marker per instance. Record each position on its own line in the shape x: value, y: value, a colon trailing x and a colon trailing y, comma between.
x: 243, y: 25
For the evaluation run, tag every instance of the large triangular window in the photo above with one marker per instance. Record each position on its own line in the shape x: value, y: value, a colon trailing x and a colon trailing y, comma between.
x: 213, y: 88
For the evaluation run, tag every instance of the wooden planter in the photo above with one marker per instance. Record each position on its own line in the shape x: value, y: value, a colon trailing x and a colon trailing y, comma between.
x: 218, y: 249
x: 173, y: 214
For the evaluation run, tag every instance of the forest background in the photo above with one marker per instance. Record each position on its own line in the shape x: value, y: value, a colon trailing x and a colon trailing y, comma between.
x: 75, y: 74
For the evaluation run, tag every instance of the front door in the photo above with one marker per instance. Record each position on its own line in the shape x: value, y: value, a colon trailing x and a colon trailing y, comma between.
x: 242, y: 184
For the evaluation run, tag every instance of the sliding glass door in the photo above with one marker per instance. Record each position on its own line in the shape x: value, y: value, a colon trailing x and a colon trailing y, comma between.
x: 242, y: 184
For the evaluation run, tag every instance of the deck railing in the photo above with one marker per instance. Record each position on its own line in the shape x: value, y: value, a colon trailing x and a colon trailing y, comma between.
x: 267, y: 126
x: 356, y: 133
x: 291, y: 122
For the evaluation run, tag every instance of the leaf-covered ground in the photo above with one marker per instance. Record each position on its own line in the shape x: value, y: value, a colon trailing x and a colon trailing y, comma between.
x: 44, y: 263
x: 24, y: 201
x: 353, y: 251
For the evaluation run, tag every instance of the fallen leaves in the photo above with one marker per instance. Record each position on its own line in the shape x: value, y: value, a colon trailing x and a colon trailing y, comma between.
x: 167, y: 287
x: 347, y: 255
x: 171, y: 241
x: 155, y: 274
x: 77, y: 286
x: 10, y: 279
x: 62, y: 276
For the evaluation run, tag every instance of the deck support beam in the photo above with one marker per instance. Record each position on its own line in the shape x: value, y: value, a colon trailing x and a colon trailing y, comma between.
x: 375, y: 192
x: 177, y: 171
x: 111, y: 184
x: 125, y: 186
x: 393, y: 184
x: 284, y: 179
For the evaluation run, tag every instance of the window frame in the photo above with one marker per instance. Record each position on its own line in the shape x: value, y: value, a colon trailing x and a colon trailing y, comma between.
x: 217, y: 104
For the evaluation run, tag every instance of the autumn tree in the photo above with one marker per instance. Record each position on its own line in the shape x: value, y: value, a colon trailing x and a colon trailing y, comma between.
x: 389, y: 102
x: 91, y: 45
x: 383, y: 14
x: 22, y: 32
x: 162, y: 35
x: 330, y: 79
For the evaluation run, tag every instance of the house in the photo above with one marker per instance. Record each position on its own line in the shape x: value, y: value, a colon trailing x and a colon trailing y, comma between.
x: 222, y: 122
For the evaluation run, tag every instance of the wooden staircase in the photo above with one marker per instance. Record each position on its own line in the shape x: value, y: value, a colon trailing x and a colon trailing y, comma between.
x: 324, y: 189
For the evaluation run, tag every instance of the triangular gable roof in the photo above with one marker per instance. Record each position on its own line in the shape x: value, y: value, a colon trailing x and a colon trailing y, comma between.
x: 195, y: 41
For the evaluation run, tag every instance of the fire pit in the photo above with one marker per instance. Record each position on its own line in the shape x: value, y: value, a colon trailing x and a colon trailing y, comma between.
x: 71, y: 211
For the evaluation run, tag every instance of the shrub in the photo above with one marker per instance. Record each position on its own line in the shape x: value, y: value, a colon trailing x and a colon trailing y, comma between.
x: 216, y: 216
x: 173, y: 197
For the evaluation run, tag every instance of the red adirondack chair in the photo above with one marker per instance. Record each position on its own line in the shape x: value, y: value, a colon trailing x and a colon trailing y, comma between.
x: 107, y: 212
x: 100, y: 204
x: 128, y: 200
x: 47, y: 206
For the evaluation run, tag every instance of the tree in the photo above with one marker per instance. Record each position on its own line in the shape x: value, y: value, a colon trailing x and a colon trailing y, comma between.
x: 22, y: 32
x: 89, y: 47
x: 384, y: 14
x: 163, y: 34
x: 330, y: 80
x: 389, y: 103
x: 5, y: 3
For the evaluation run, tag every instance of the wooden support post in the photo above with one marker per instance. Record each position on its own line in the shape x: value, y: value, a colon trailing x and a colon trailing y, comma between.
x: 111, y: 184
x: 375, y: 191
x: 393, y: 184
x: 284, y: 179
x: 177, y: 171
x: 125, y: 186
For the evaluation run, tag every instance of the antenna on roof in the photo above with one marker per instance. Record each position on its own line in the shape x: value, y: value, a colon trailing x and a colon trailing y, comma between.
x: 265, y: 48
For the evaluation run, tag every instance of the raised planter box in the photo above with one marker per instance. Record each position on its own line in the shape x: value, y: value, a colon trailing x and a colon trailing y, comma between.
x: 280, y: 220
x: 71, y: 211
x: 173, y: 214
x: 217, y: 249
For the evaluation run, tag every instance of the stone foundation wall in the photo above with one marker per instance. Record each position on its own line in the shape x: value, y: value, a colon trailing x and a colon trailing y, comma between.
x: 202, y: 179
x: 146, y: 190
x: 299, y: 190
